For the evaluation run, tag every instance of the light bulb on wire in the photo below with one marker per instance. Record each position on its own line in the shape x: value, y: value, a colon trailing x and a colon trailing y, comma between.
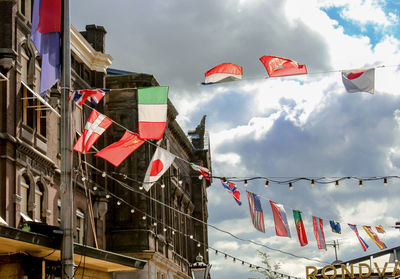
x: 337, y: 183
x: 245, y: 183
x: 266, y: 183
x: 118, y: 202
x: 385, y: 183
x: 104, y: 174
x: 312, y: 183
x: 290, y: 186
x: 360, y: 184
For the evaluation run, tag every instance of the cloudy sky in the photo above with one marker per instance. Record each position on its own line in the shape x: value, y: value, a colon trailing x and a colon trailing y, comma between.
x: 304, y: 126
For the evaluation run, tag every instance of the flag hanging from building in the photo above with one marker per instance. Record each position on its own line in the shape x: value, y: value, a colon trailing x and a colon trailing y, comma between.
x: 256, y: 212
x: 280, y: 219
x: 45, y: 35
x: 374, y: 237
x: 117, y: 152
x: 232, y: 190
x: 380, y: 229
x: 359, y: 80
x: 278, y: 66
x: 364, y: 245
x: 96, y: 124
x: 92, y: 95
x: 152, y: 107
x: 161, y: 161
x: 203, y: 171
x: 319, y: 232
x: 335, y: 226
x: 301, y: 232
x: 223, y: 73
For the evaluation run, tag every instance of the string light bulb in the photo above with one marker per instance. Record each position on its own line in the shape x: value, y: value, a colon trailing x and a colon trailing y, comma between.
x: 290, y: 186
x: 94, y: 188
x: 132, y: 210
x: 198, y: 245
x: 191, y: 236
x: 144, y: 217
x: 83, y: 178
x: 104, y: 174
x: 125, y: 176
x: 216, y: 252
x: 337, y: 183
x: 385, y: 183
x: 266, y: 183
x: 312, y: 183
x: 118, y: 202
x: 226, y: 256
x: 173, y: 232
x: 245, y: 183
x: 155, y: 224
x: 165, y: 229
x: 162, y: 185
x: 200, y: 177
x: 234, y: 260
x: 140, y: 187
x: 107, y: 196
x: 360, y: 184
x: 242, y: 262
x: 180, y: 182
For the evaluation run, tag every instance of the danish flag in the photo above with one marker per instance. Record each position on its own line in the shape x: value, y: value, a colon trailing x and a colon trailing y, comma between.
x: 95, y: 126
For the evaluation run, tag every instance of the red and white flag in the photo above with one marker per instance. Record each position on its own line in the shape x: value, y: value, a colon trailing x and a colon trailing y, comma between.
x: 319, y: 232
x: 281, y: 223
x: 160, y: 162
x: 223, y: 73
x: 279, y: 66
x: 359, y: 80
x: 117, y: 152
x: 95, y: 126
x: 204, y: 172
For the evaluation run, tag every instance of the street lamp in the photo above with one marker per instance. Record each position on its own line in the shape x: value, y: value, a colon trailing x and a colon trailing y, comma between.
x: 200, y: 269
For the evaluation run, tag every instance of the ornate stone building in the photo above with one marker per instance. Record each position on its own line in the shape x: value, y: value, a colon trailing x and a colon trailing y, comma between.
x: 109, y: 239
x: 169, y: 238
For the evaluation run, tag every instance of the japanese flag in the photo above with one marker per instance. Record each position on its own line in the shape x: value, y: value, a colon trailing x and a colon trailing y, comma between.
x: 160, y: 162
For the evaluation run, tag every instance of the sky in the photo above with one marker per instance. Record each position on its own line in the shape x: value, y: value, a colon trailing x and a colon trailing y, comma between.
x: 299, y: 126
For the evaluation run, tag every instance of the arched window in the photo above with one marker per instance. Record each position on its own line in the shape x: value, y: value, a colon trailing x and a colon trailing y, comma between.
x: 39, y: 190
x: 25, y: 188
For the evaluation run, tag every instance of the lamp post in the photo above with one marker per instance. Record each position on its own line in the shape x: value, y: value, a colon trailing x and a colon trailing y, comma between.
x: 200, y: 269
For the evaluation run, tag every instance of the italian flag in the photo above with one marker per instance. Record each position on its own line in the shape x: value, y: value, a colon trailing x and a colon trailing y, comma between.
x: 152, y: 107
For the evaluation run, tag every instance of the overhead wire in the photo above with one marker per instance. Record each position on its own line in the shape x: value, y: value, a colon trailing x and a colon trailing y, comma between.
x: 128, y: 187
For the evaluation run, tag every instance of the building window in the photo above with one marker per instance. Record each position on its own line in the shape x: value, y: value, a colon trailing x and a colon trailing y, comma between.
x: 28, y: 100
x: 41, y: 120
x: 38, y: 202
x: 24, y: 191
x: 59, y: 212
x: 80, y: 218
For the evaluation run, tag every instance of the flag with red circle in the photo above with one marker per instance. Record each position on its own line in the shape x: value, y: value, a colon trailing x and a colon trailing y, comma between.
x: 161, y: 161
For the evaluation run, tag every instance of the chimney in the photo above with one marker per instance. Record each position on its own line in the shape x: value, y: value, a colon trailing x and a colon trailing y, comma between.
x: 96, y: 36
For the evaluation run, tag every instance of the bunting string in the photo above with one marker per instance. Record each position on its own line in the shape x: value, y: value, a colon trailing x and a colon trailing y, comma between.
x: 128, y: 187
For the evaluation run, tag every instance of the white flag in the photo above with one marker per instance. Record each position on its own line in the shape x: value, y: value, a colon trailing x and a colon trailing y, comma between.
x: 160, y: 162
x: 359, y: 80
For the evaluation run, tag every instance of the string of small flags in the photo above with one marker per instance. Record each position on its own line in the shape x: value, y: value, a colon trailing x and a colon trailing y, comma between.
x: 130, y: 188
x: 155, y: 223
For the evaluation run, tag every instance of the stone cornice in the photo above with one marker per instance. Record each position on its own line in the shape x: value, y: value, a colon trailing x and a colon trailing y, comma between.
x: 85, y: 53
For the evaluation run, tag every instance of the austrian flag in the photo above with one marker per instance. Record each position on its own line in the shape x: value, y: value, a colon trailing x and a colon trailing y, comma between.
x: 95, y: 126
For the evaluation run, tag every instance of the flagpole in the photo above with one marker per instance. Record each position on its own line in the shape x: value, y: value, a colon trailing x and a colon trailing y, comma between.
x: 66, y: 189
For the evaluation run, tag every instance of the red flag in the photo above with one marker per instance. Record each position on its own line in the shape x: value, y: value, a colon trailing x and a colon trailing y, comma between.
x: 318, y: 225
x: 95, y: 126
x: 50, y: 16
x: 278, y: 66
x: 118, y: 151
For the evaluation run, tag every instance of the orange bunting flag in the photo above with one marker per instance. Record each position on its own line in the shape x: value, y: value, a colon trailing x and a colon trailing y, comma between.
x: 380, y: 229
x: 374, y: 237
x: 117, y: 152
x: 278, y: 66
